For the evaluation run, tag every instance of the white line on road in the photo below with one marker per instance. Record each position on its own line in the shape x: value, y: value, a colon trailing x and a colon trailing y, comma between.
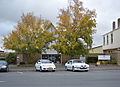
x: 20, y: 72
x: 2, y: 81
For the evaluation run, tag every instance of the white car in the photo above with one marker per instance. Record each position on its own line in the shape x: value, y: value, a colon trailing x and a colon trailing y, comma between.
x: 76, y: 65
x: 45, y: 65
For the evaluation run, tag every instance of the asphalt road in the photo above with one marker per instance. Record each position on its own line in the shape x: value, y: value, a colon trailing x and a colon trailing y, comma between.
x: 110, y: 78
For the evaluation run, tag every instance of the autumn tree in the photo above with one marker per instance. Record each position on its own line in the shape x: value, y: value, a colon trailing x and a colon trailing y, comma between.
x: 75, y: 29
x: 32, y: 35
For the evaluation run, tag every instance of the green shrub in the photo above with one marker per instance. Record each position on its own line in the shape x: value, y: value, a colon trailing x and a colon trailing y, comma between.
x: 113, y: 61
x: 109, y: 62
x: 11, y: 58
x: 91, y: 59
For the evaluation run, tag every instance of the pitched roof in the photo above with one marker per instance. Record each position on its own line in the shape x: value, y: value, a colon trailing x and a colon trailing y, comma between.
x: 1, y: 50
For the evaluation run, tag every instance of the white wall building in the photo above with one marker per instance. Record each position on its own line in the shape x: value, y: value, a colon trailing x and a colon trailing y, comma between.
x: 111, y: 40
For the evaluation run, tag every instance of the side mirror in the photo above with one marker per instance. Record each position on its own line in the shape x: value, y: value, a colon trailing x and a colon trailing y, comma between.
x: 38, y: 62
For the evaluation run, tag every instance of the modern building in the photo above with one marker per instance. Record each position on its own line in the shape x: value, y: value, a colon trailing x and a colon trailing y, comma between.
x: 111, y: 41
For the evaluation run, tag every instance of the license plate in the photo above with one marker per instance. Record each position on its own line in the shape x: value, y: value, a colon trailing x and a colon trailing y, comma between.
x: 50, y: 68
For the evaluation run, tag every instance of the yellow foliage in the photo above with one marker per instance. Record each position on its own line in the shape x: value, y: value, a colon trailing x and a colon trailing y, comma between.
x: 30, y: 36
x: 75, y: 29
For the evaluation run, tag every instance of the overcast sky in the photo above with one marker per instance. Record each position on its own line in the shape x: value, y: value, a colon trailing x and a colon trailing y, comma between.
x: 11, y: 10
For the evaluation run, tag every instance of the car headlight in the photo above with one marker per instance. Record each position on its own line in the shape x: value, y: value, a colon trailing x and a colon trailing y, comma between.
x: 42, y: 65
x: 87, y: 66
x: 4, y: 66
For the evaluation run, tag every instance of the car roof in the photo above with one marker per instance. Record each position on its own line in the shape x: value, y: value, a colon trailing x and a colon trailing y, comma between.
x: 3, y: 60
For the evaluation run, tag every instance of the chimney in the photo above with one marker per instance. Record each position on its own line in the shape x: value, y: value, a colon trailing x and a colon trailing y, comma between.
x: 113, y: 25
x: 118, y: 22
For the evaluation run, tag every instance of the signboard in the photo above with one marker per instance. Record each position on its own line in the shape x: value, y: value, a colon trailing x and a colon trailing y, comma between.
x: 103, y: 57
x: 82, y: 58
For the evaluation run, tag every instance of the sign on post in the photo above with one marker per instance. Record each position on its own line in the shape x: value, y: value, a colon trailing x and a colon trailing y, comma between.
x: 82, y: 58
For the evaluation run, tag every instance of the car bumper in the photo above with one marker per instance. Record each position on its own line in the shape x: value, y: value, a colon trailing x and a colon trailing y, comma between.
x: 81, y: 69
x: 48, y: 68
x: 3, y: 69
x: 45, y: 69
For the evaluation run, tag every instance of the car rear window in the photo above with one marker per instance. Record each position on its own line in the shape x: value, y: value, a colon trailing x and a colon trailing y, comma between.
x: 46, y: 61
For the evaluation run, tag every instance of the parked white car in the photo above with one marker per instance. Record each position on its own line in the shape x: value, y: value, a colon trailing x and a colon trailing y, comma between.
x: 45, y: 65
x: 76, y: 65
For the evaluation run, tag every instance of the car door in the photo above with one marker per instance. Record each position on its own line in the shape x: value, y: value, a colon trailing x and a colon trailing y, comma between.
x: 38, y: 65
x: 69, y: 65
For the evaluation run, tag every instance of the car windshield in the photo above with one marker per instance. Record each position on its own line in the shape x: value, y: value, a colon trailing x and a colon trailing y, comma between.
x: 46, y: 61
x: 77, y: 61
x: 3, y: 63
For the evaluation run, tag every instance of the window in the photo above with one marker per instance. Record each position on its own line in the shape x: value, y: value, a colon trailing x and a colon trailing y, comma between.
x: 104, y: 40
x: 70, y: 62
x: 107, y: 40
x: 111, y: 38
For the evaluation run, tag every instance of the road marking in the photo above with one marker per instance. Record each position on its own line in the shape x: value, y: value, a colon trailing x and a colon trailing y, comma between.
x: 2, y: 81
x: 20, y: 72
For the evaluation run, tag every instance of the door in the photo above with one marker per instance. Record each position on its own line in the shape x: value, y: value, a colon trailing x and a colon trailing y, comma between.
x: 69, y: 65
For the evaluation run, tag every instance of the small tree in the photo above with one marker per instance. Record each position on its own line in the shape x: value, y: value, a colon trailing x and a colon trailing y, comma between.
x: 75, y: 29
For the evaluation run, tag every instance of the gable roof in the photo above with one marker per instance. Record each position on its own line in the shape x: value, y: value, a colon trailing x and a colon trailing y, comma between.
x: 1, y: 50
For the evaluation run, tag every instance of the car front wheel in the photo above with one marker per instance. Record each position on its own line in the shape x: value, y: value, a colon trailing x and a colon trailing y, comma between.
x: 66, y: 68
x: 53, y: 70
x: 36, y: 69
x: 73, y: 69
x: 86, y: 70
x: 7, y: 69
x: 40, y: 69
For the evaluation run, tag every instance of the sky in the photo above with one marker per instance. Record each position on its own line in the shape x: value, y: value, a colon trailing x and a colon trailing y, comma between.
x: 11, y: 11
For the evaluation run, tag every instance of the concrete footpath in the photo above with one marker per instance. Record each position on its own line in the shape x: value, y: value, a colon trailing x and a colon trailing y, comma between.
x: 15, y: 68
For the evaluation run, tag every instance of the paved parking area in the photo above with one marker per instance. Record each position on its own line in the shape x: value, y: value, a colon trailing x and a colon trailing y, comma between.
x: 14, y: 68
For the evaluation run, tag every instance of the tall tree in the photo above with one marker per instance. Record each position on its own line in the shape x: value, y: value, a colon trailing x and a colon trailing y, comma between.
x: 75, y: 29
x: 32, y: 35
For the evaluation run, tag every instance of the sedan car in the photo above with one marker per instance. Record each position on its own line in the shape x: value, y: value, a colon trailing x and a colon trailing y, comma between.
x: 76, y: 65
x: 4, y: 66
x: 45, y: 65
